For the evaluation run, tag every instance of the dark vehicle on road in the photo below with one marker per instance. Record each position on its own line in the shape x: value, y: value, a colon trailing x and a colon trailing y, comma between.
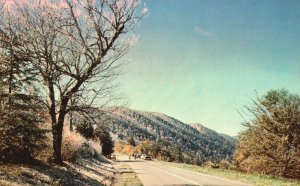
x: 147, y: 157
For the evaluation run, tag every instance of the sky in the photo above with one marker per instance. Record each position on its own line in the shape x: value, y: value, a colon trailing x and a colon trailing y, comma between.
x: 203, y: 60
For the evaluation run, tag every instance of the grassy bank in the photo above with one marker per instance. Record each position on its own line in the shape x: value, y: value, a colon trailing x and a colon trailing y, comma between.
x: 255, y: 179
x: 84, y: 172
x: 126, y: 176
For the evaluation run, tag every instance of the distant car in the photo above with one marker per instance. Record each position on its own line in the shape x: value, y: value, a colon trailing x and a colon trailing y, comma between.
x: 147, y: 157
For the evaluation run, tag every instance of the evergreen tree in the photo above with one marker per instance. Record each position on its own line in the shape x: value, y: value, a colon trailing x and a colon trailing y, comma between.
x: 197, y: 160
x: 177, y: 154
x: 131, y: 141
x: 86, y: 129
x: 20, y: 107
x: 107, y: 144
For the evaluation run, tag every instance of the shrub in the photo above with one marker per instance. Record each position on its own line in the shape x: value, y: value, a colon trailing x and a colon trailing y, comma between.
x: 85, y: 151
x: 75, y: 146
x: 224, y: 164
x: 71, y: 144
x: 211, y: 164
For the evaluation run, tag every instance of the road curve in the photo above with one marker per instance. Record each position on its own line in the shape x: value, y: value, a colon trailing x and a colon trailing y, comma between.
x: 153, y: 173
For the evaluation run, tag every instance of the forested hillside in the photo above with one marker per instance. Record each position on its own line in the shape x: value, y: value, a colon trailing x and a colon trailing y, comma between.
x: 193, y: 138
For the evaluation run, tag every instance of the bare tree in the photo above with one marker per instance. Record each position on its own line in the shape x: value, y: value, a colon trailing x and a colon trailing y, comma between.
x: 76, y: 46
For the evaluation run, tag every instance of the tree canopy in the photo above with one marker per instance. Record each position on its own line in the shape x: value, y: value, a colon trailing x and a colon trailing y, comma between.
x: 271, y: 142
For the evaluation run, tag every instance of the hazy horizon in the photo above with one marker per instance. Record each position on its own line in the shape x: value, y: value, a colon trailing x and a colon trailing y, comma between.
x: 201, y: 61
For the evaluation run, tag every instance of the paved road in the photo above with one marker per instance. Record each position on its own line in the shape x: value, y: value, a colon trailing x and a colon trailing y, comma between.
x: 153, y: 173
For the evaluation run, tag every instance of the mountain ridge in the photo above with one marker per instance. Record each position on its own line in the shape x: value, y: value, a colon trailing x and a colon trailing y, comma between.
x: 142, y: 125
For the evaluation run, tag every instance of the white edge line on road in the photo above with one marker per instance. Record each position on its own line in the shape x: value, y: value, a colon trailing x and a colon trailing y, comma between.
x: 214, y: 176
x: 176, y: 175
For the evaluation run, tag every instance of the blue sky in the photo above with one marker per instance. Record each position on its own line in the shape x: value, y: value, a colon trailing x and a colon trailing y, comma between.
x: 201, y: 61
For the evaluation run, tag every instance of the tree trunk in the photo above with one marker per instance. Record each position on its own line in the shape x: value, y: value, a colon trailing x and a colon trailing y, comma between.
x: 57, y: 142
x: 71, y: 122
x: 57, y: 132
x: 10, y: 82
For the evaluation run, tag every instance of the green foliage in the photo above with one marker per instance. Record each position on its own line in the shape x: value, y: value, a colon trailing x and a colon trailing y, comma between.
x: 131, y: 141
x: 107, y: 144
x: 162, y: 149
x: 86, y: 129
x: 197, y: 159
x: 98, y: 133
x: 20, y: 137
x: 20, y: 117
x: 16, y: 72
x: 87, y: 151
x: 271, y: 142
x: 21, y: 109
x: 176, y: 153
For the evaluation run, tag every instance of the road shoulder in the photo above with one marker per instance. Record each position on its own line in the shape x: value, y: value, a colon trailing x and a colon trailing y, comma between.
x: 125, y: 176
